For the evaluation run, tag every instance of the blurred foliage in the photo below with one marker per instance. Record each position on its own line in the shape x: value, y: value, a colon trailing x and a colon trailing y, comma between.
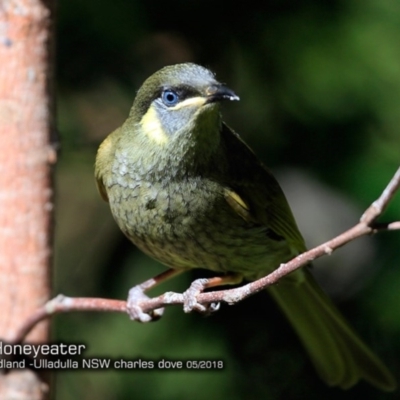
x: 320, y: 94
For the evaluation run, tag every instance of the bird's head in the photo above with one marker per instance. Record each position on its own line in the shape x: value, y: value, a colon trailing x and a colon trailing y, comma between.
x: 179, y: 102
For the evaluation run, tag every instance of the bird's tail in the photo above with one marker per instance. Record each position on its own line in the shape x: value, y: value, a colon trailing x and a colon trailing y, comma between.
x: 338, y: 354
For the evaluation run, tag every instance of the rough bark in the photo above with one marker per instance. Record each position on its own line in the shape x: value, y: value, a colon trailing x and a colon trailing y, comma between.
x: 26, y: 157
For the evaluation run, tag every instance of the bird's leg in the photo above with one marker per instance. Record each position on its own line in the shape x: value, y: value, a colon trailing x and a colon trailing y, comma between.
x: 137, y: 295
x: 199, y: 285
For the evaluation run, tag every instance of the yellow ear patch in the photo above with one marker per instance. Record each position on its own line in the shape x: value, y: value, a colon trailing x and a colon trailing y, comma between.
x: 152, y: 127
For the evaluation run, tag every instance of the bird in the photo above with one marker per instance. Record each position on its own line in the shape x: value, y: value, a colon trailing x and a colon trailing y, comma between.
x: 189, y: 192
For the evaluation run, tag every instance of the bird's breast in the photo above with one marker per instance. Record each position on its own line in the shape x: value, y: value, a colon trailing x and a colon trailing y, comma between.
x: 189, y: 224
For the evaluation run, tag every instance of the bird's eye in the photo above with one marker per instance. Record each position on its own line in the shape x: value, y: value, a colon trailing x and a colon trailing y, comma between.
x: 169, y: 97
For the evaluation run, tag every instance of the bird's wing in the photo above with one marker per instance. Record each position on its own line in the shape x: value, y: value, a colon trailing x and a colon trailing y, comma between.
x: 256, y: 194
x: 104, y: 160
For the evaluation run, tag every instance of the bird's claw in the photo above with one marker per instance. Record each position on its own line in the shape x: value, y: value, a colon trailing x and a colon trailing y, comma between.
x: 212, y: 308
x: 134, y: 309
x: 190, y: 302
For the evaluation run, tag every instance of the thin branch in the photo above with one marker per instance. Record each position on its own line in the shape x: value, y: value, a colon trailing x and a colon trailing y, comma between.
x: 379, y: 205
x: 64, y: 304
x: 366, y: 226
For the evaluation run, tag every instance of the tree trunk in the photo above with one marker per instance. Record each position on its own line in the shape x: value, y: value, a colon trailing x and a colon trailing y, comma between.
x: 26, y: 157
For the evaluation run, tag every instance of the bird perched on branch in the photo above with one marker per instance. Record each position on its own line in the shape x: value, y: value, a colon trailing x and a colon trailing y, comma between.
x: 186, y: 190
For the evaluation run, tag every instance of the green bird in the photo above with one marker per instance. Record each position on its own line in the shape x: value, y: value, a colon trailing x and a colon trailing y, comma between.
x: 186, y: 190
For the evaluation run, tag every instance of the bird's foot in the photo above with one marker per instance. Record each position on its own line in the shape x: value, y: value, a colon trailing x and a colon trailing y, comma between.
x: 190, y: 302
x: 136, y: 297
x: 134, y: 309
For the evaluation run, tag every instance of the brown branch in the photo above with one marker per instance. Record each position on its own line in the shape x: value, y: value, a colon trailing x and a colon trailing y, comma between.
x: 366, y: 226
x: 379, y: 205
x: 64, y: 304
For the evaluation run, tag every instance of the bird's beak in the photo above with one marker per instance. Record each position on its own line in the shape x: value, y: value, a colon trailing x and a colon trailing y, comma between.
x: 218, y: 93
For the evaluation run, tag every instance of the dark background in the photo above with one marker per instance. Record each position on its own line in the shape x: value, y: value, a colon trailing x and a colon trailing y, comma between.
x: 319, y: 84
